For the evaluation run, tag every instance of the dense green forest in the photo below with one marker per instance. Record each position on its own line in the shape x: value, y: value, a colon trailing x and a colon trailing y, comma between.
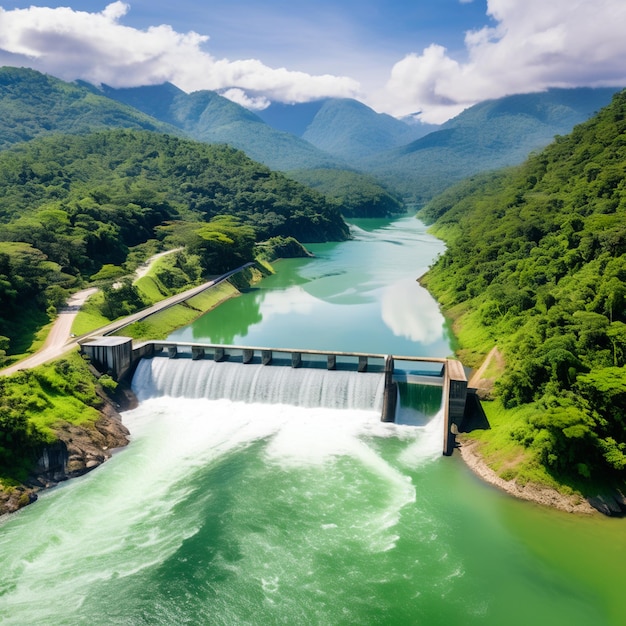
x: 71, y: 204
x: 536, y: 261
x: 358, y: 195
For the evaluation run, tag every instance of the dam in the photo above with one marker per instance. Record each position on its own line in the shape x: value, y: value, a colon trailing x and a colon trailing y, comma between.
x: 275, y: 375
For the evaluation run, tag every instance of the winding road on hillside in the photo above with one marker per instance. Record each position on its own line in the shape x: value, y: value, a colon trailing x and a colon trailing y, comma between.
x: 59, y: 339
x: 58, y: 336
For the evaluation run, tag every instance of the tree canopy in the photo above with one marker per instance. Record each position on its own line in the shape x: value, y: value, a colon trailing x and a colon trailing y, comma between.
x: 536, y: 260
x: 358, y: 195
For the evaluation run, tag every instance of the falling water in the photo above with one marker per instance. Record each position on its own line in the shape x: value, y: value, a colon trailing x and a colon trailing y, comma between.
x: 307, y: 387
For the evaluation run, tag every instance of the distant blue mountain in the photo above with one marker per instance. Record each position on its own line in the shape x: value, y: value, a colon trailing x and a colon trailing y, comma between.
x: 291, y: 118
x: 351, y: 130
x: 487, y: 136
x: 343, y: 127
x: 207, y: 116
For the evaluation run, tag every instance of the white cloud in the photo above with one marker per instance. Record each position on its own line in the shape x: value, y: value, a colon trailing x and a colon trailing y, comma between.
x: 98, y: 48
x: 527, y: 45
x: 245, y: 100
x: 423, y: 324
x: 533, y: 45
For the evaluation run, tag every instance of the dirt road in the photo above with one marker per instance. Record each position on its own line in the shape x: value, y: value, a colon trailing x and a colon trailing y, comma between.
x: 59, y: 340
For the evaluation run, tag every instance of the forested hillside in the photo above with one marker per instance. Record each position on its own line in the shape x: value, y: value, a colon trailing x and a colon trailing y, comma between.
x: 358, y: 195
x: 71, y: 204
x: 34, y: 104
x: 536, y: 261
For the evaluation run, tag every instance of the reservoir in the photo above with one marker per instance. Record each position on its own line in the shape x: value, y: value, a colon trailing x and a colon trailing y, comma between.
x: 224, y: 512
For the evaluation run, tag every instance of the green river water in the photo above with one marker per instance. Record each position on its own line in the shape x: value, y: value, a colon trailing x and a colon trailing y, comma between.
x: 221, y: 512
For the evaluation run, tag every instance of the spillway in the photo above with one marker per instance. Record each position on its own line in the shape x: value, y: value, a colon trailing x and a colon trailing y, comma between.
x: 305, y: 387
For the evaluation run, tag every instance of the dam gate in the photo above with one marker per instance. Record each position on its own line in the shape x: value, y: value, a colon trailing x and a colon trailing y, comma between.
x: 118, y: 357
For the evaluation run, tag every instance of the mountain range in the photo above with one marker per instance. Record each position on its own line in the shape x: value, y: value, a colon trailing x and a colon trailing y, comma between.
x: 487, y: 136
x: 328, y: 136
x: 207, y: 116
x: 337, y: 125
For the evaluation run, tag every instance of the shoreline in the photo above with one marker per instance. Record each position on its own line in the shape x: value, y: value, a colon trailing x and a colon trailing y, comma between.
x: 611, y: 503
x: 538, y: 494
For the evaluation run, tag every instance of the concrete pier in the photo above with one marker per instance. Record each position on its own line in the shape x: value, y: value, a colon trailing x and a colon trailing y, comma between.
x: 455, y: 390
x: 390, y: 399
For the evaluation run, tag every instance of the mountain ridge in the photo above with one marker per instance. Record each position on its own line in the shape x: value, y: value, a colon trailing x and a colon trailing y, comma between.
x: 33, y: 104
x: 490, y: 135
x: 207, y: 116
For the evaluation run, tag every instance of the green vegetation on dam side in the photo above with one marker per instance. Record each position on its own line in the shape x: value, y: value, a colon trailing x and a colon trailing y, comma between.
x: 536, y: 264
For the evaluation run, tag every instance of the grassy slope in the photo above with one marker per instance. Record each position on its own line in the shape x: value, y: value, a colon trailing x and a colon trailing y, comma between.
x: 48, y: 396
x: 160, y: 325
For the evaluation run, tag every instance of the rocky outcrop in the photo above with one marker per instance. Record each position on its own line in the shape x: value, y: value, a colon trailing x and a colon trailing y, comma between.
x: 14, y: 498
x: 78, y: 450
x: 612, y: 504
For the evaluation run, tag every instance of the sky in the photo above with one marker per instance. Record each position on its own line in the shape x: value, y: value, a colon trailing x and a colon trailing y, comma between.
x: 429, y: 59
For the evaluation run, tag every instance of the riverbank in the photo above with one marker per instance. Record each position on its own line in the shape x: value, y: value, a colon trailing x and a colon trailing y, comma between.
x: 469, y: 451
x: 511, y: 460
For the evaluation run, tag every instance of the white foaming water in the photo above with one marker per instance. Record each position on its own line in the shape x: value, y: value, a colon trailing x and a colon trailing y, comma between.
x: 429, y: 446
x: 105, y: 532
x: 305, y: 387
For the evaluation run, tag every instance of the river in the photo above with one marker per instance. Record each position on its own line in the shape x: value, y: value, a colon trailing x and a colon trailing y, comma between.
x: 221, y: 512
